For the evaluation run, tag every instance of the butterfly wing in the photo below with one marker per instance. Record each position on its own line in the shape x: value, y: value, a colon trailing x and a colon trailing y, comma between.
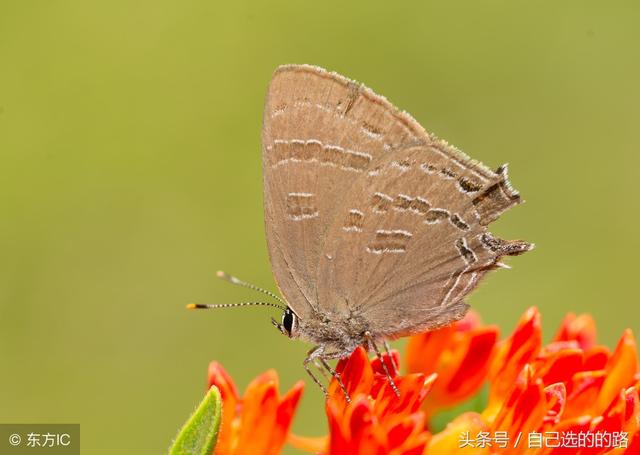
x: 346, y: 175
x: 321, y: 132
x: 410, y: 241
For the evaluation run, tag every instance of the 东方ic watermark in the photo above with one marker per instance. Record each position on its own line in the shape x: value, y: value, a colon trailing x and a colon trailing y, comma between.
x: 45, y: 438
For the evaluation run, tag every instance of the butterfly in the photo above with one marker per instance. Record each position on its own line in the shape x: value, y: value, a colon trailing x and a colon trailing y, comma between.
x: 376, y: 229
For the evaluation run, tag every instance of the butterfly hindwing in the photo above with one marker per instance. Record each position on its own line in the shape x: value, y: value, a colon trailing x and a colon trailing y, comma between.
x: 409, y: 242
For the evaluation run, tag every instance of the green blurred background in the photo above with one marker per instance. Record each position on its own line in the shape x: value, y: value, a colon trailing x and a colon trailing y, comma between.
x: 130, y: 172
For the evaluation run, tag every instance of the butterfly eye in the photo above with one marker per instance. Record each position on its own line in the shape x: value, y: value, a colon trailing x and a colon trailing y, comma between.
x: 288, y: 321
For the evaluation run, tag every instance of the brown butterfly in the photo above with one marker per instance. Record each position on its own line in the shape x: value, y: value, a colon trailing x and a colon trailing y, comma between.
x: 376, y: 229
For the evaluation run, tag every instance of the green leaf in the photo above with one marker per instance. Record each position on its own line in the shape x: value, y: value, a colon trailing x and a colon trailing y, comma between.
x: 199, y: 435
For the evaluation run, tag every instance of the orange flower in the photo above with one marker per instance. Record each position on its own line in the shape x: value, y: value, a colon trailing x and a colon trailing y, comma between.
x: 544, y: 396
x: 257, y: 423
x: 570, y: 396
x: 376, y: 421
x: 460, y: 354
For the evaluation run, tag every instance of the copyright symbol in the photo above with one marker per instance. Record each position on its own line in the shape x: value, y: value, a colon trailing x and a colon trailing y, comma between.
x: 15, y: 439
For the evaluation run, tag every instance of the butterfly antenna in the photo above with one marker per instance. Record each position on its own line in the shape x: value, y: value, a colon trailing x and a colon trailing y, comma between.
x: 238, y: 282
x: 200, y: 306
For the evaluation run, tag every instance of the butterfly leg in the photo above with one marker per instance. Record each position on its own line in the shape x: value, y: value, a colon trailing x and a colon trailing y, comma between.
x: 387, y: 348
x: 312, y: 356
x: 371, y: 342
x: 321, y: 369
x: 337, y: 377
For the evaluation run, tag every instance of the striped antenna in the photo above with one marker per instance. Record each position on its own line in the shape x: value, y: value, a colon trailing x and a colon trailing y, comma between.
x: 233, y: 280
x: 199, y: 306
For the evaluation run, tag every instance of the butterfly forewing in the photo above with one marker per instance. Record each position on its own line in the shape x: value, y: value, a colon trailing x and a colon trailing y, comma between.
x: 320, y: 133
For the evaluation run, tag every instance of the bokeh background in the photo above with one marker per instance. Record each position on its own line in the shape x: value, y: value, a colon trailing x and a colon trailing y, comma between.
x: 130, y: 172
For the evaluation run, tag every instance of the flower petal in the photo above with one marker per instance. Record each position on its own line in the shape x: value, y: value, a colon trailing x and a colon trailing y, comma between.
x: 424, y: 350
x: 264, y: 419
x: 284, y: 416
x: 376, y: 364
x: 525, y: 408
x: 451, y: 439
x: 309, y: 444
x: 582, y: 393
x: 556, y: 396
x: 460, y: 354
x: 219, y: 377
x: 258, y: 415
x: 357, y: 376
x: 621, y: 369
x: 413, y: 390
x: 511, y: 356
x: 473, y: 367
x: 559, y: 366
x: 580, y: 328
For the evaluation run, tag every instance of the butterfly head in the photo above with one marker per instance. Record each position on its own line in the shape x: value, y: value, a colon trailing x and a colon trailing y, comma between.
x: 289, y: 324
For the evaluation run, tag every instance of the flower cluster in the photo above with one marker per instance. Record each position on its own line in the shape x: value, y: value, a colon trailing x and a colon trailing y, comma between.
x: 377, y: 421
x: 570, y: 386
